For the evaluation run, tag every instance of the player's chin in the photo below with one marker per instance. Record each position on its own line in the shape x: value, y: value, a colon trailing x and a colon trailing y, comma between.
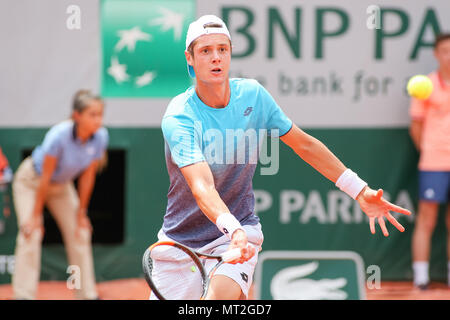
x: 218, y: 76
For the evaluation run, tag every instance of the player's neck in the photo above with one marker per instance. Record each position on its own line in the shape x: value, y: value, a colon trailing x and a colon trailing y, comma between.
x: 214, y: 95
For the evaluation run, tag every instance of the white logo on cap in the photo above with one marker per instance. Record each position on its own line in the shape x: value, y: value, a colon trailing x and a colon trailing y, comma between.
x: 197, y: 28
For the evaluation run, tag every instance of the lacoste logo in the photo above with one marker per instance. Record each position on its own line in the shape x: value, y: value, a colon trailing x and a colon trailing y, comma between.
x: 244, y: 276
x: 248, y: 111
x: 292, y: 283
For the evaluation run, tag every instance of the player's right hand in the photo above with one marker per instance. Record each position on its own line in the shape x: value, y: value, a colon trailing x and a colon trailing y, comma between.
x: 33, y: 223
x: 239, y: 240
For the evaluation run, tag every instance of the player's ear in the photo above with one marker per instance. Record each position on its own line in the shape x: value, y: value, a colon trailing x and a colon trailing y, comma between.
x: 189, y: 58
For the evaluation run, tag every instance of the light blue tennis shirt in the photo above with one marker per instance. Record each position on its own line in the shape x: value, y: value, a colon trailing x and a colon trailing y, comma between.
x: 73, y: 155
x: 229, y: 140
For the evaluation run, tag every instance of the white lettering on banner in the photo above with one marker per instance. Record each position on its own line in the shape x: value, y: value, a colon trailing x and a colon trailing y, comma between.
x: 314, y: 208
x: 263, y: 200
x: 336, y: 208
x: 290, y: 201
x: 7, y: 263
x: 339, y: 204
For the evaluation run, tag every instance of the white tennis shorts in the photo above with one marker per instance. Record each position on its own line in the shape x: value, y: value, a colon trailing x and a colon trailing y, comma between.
x: 188, y: 286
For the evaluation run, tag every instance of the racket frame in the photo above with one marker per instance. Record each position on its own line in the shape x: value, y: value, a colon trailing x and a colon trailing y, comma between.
x: 147, y: 265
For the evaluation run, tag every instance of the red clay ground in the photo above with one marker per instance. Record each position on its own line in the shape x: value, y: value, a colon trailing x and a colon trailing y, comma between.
x: 137, y: 289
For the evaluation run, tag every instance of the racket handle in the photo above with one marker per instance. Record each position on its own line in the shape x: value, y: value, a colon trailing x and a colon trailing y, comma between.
x: 231, y: 255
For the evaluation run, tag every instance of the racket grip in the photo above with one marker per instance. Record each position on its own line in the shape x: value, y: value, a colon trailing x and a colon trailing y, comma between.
x: 231, y: 255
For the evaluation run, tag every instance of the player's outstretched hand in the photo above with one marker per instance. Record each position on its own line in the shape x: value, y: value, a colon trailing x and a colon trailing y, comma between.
x: 239, y: 240
x: 376, y: 207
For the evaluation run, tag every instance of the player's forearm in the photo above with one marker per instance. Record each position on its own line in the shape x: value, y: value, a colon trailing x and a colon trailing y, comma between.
x: 317, y: 155
x: 201, y: 183
x: 209, y: 202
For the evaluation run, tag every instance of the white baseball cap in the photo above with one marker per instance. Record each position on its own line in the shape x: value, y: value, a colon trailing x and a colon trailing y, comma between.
x: 197, y: 29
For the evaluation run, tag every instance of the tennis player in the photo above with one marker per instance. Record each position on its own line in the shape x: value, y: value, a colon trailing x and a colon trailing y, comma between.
x: 430, y: 132
x: 210, y: 198
x: 71, y: 149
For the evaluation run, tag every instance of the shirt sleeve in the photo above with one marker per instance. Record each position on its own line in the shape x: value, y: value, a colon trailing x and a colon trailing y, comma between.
x: 417, y: 109
x: 52, y: 144
x: 183, y: 139
x: 277, y: 123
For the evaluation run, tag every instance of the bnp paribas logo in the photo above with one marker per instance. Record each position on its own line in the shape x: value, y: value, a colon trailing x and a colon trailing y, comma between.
x: 143, y: 47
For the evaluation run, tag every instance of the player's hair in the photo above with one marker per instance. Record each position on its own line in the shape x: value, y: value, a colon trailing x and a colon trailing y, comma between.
x: 441, y: 37
x: 190, y: 49
x: 82, y: 98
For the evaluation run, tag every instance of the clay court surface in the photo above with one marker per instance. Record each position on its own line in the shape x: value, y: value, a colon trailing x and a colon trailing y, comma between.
x: 137, y: 289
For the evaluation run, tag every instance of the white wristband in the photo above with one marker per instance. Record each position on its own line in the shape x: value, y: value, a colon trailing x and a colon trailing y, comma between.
x: 350, y: 183
x: 228, y: 224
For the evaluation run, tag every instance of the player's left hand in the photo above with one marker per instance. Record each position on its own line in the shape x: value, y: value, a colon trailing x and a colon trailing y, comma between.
x: 239, y: 240
x: 376, y: 207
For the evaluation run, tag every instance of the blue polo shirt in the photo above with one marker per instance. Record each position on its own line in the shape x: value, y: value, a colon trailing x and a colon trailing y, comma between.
x: 229, y: 140
x: 73, y: 155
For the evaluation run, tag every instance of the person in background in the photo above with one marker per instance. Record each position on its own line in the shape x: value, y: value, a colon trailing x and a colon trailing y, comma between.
x: 73, y: 148
x: 5, y: 170
x: 6, y: 176
x: 430, y: 132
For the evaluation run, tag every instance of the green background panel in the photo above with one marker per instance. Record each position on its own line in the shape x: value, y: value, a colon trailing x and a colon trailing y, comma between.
x: 383, y: 157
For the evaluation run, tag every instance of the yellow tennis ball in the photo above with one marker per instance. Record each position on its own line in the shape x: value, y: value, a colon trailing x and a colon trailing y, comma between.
x: 420, y: 87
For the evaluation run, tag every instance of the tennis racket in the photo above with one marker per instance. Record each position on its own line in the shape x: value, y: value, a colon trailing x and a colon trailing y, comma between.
x: 188, y: 266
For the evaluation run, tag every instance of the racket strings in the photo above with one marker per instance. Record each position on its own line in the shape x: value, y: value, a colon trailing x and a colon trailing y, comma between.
x: 175, y: 274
